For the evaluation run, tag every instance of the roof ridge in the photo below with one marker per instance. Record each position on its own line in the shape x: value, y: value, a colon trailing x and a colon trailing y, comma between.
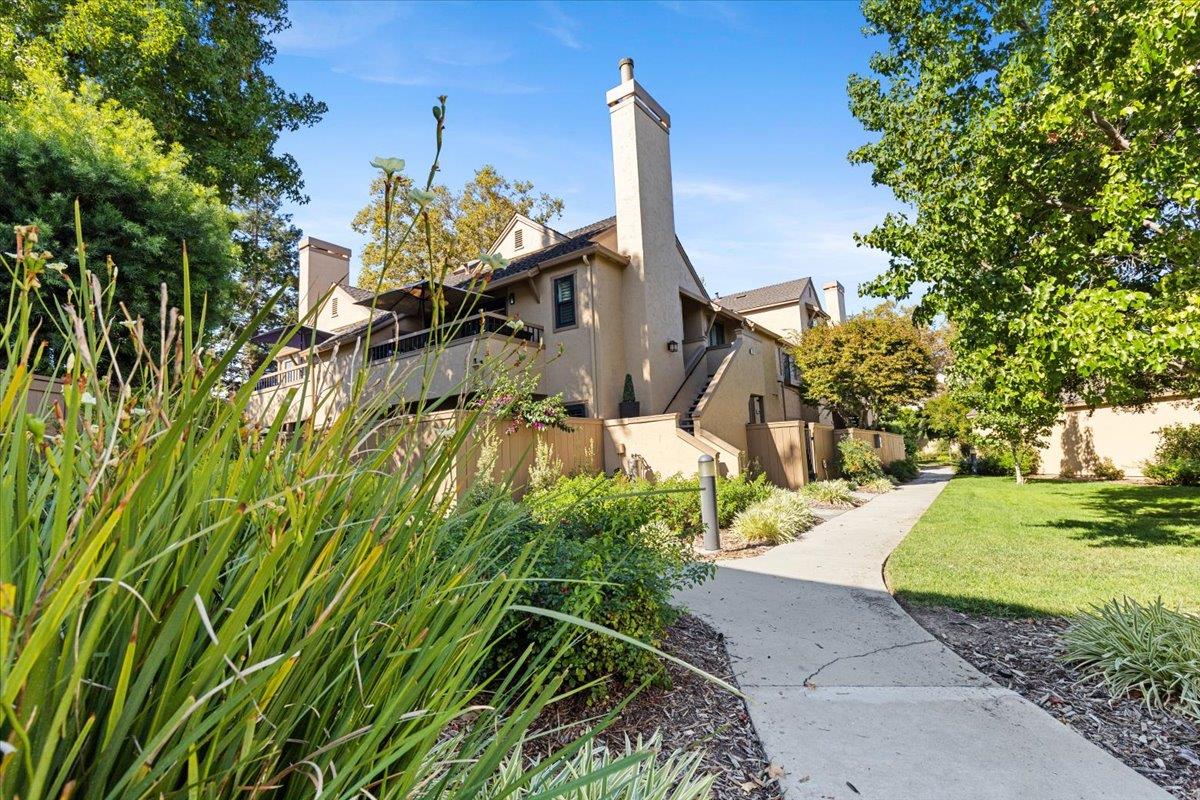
x: 591, y: 228
x: 768, y: 286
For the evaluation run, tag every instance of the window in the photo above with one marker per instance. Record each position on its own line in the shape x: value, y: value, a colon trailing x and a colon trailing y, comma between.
x: 757, y: 412
x: 878, y: 440
x: 575, y: 409
x: 564, y: 302
x: 519, y: 239
x: 333, y: 310
x: 716, y: 334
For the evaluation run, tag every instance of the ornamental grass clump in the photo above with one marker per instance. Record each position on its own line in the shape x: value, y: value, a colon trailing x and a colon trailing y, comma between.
x: 878, y: 485
x: 197, y: 602
x: 645, y: 774
x: 780, y: 518
x: 1149, y: 651
x: 834, y: 494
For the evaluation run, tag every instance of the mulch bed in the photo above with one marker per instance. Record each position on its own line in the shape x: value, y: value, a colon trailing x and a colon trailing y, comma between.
x: 1023, y: 655
x: 692, y: 714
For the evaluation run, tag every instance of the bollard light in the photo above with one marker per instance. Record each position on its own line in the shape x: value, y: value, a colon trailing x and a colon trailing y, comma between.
x: 707, y: 470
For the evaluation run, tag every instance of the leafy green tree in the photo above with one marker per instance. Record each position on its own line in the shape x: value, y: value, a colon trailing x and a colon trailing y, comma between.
x: 1049, y: 153
x: 462, y: 224
x: 870, y: 365
x: 947, y: 417
x: 137, y: 204
x: 269, y: 261
x: 196, y: 69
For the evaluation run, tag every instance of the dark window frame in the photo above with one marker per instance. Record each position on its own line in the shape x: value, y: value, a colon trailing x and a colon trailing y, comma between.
x: 573, y: 407
x: 559, y: 324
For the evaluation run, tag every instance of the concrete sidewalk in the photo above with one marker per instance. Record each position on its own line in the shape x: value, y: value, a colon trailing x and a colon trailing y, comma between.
x: 856, y: 700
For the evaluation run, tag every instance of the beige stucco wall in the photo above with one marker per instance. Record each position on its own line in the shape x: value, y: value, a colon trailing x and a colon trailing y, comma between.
x: 657, y: 271
x: 750, y: 367
x: 789, y: 320
x: 1082, y: 438
x: 655, y: 442
x: 534, y: 237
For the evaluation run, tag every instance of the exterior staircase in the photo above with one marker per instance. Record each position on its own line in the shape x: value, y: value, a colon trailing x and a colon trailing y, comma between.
x: 687, y: 422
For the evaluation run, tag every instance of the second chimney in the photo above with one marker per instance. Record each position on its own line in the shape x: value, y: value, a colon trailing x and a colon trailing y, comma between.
x: 322, y: 264
x: 835, y: 302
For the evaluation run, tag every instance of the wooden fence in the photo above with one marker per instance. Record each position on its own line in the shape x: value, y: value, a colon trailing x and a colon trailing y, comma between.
x: 888, y: 446
x: 579, y: 449
x: 792, y: 452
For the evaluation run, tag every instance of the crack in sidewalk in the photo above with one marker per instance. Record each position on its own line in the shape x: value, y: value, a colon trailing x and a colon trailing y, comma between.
x: 808, y: 681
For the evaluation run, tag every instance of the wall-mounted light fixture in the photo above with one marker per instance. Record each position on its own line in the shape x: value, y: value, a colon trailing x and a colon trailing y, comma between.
x: 512, y: 298
x: 672, y: 346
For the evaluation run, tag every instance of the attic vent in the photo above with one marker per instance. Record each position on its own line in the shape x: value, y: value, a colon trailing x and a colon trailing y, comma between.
x: 334, y: 308
x: 519, y: 238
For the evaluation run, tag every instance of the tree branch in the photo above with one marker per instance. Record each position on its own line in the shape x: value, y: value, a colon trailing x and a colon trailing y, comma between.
x: 1118, y: 141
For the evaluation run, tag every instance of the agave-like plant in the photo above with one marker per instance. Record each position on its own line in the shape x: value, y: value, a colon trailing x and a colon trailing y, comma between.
x: 1147, y: 650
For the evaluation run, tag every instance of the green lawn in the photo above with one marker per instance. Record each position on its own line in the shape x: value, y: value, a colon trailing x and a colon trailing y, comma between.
x: 1051, y: 547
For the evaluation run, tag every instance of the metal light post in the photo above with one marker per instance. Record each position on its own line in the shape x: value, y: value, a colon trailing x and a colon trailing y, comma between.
x: 707, y: 470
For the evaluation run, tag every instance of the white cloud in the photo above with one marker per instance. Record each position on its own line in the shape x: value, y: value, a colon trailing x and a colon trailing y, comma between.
x: 561, y: 25
x: 329, y: 27
x: 715, y: 191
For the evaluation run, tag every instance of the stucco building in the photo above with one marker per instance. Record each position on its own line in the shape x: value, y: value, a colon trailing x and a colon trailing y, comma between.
x: 583, y: 308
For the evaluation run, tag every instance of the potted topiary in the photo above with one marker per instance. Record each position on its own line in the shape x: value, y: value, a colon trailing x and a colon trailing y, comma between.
x: 629, y: 406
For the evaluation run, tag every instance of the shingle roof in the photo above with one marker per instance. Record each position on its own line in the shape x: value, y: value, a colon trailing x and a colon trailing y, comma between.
x: 771, y: 295
x: 357, y: 292
x: 578, y: 239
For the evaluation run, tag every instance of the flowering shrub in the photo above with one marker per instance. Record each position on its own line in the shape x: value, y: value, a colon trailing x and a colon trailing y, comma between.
x: 511, y: 397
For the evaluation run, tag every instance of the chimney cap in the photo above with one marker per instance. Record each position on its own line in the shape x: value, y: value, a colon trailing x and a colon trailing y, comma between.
x: 833, y: 284
x: 626, y: 67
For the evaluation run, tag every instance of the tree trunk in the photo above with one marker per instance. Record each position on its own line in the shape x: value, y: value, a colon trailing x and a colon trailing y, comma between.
x: 1016, y: 454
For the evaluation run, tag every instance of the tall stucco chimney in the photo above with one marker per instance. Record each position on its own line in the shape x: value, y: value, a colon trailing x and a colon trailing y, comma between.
x: 835, y: 302
x: 322, y: 264
x: 646, y: 234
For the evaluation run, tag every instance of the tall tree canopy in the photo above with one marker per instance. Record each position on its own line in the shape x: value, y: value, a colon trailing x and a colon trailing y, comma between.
x: 196, y: 69
x: 187, y: 80
x: 462, y: 224
x: 1050, y: 152
x: 871, y: 364
x: 137, y: 205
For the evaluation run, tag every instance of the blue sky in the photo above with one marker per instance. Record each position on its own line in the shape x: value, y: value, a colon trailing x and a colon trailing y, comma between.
x: 756, y: 92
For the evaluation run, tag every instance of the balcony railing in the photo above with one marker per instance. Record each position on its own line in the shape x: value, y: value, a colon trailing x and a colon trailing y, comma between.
x: 452, y: 331
x: 283, y: 377
x: 419, y: 340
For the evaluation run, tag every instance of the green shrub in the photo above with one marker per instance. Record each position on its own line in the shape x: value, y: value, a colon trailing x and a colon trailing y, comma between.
x: 991, y: 460
x: 736, y: 494
x: 603, y: 555
x: 835, y: 494
x: 1176, y: 457
x: 1146, y: 650
x: 779, y: 518
x: 857, y: 461
x: 903, y: 469
x: 1106, y: 470
x: 878, y: 485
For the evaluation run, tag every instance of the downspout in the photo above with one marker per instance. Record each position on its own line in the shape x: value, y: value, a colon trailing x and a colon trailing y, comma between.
x: 595, y: 351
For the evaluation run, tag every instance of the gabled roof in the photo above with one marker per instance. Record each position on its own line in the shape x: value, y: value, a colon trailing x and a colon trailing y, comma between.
x: 773, y: 295
x: 577, y: 240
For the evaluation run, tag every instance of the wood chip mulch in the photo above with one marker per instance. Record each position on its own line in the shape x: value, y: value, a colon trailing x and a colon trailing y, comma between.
x: 692, y: 714
x: 1024, y: 655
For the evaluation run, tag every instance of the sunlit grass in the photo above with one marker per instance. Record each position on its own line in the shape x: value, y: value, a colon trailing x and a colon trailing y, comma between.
x: 1051, y: 547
